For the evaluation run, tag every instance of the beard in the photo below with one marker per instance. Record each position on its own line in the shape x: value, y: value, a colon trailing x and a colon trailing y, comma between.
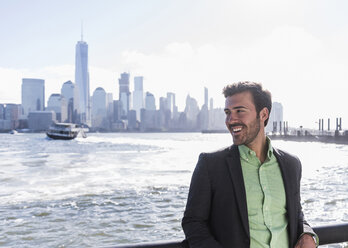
x: 248, y: 134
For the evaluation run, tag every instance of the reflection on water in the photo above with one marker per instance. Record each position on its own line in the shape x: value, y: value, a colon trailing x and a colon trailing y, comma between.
x: 112, y: 189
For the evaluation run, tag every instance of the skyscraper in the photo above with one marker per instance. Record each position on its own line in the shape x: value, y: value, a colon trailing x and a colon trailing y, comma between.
x: 275, y: 118
x: 82, y: 82
x: 124, y: 94
x: 204, y: 114
x: 206, y: 96
x: 150, y: 103
x: 211, y: 103
x: 57, y: 103
x: 109, y: 108
x: 99, y: 110
x: 2, y: 111
x: 69, y: 92
x: 33, y: 96
x: 138, y: 95
x: 12, y: 113
x: 191, y: 108
x: 171, y: 104
x: 163, y: 104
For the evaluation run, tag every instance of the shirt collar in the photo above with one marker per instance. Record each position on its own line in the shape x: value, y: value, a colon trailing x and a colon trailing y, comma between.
x: 246, y: 152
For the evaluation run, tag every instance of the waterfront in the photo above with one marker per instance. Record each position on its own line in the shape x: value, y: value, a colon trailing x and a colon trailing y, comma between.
x: 118, y: 188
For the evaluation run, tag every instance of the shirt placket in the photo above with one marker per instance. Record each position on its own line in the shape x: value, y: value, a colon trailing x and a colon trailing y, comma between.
x: 266, y: 207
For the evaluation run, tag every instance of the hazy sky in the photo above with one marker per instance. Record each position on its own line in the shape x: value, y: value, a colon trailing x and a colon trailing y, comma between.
x: 298, y: 49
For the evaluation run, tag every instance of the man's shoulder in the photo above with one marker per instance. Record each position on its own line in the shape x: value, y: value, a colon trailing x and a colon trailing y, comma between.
x: 218, y: 154
x: 284, y: 155
x: 212, y: 161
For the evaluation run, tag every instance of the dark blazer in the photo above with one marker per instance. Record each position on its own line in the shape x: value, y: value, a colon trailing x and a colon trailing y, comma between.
x: 216, y: 213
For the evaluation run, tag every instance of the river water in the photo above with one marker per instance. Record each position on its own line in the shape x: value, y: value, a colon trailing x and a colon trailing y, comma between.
x: 112, y: 189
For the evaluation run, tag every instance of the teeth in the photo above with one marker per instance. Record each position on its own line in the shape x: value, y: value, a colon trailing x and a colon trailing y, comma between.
x: 237, y: 129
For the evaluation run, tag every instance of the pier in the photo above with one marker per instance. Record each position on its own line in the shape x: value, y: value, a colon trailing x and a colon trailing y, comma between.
x: 281, y: 131
x: 336, y: 137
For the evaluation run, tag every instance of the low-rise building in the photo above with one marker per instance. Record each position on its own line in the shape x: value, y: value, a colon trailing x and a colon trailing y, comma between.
x: 40, y: 120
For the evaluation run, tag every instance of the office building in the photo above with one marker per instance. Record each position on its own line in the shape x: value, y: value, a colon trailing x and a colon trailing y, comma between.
x: 12, y: 115
x: 99, y: 111
x: 163, y: 104
x: 33, y: 96
x: 191, y: 108
x: 171, y: 105
x: 150, y: 102
x: 148, y: 120
x: 217, y: 119
x: 206, y: 97
x: 138, y: 95
x: 191, y: 111
x: 275, y: 122
x: 109, y: 109
x: 124, y: 94
x: 69, y: 92
x: 2, y: 111
x: 203, y: 117
x: 82, y: 82
x: 41, y: 120
x: 117, y: 110
x: 4, y: 124
x: 211, y: 104
x: 57, y: 103
x: 132, y: 120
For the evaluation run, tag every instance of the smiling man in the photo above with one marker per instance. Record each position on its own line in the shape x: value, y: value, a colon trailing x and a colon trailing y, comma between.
x: 247, y: 195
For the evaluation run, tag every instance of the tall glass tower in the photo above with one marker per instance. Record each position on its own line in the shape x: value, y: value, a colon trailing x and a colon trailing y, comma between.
x: 124, y: 94
x: 82, y: 82
x: 138, y: 96
x: 33, y: 96
x: 69, y: 92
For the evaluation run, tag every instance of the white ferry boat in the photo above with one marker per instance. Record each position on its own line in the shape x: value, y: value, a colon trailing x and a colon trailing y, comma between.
x: 13, y: 131
x: 65, y: 131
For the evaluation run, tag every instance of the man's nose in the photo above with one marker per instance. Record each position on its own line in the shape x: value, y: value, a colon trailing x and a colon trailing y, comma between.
x: 231, y: 118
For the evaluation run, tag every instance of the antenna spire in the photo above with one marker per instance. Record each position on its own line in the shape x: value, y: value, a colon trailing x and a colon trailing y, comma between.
x: 81, y: 30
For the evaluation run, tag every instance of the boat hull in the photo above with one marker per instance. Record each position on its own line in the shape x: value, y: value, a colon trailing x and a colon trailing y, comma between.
x: 61, y: 137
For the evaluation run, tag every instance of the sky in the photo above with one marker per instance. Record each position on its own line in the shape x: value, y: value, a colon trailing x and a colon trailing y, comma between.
x: 297, y: 49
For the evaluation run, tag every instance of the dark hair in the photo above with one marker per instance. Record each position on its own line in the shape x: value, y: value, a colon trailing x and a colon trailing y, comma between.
x: 262, y: 98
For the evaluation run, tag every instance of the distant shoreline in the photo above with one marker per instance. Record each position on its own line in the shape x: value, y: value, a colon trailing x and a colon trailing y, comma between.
x: 341, y: 138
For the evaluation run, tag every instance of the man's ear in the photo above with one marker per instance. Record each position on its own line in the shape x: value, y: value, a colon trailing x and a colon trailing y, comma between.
x: 264, y: 114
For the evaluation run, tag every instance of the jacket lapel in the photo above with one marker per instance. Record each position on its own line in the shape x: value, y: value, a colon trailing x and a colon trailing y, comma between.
x: 287, y: 174
x: 235, y: 169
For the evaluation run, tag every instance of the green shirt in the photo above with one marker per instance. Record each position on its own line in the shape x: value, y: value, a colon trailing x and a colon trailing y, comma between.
x: 266, y: 200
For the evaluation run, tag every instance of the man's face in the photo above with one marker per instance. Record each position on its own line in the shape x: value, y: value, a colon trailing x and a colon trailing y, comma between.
x: 242, y: 120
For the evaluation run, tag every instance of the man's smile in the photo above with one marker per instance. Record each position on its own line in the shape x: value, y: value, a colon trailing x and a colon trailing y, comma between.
x: 236, y: 128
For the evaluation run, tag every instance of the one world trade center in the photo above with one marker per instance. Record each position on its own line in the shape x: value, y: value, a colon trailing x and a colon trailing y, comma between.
x: 82, y: 82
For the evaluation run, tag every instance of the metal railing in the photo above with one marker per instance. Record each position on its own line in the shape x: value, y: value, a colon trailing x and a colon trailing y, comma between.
x: 331, y: 234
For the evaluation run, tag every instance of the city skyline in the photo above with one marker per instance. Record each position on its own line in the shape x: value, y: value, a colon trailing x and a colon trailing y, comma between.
x: 296, y: 49
x: 107, y: 113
